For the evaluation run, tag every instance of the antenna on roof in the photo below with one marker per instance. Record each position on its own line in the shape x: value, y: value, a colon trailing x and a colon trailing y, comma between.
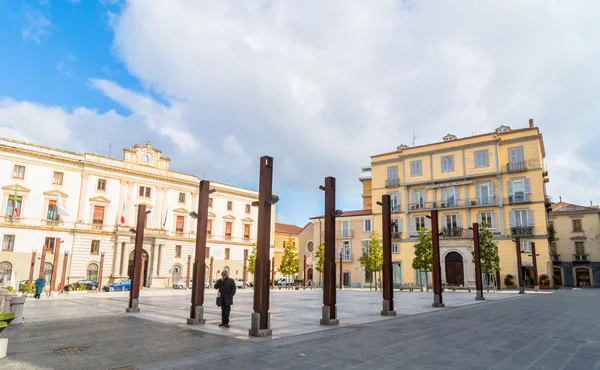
x: 414, y: 136
x: 110, y: 141
x: 99, y: 145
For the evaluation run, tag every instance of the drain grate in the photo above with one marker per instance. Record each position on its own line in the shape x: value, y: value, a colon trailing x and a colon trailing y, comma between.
x: 71, y: 350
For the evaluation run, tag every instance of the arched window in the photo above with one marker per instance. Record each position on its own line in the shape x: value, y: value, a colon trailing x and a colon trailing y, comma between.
x: 226, y: 268
x: 310, y: 246
x: 5, y: 273
x: 176, y: 273
x: 92, y: 272
x: 48, y: 272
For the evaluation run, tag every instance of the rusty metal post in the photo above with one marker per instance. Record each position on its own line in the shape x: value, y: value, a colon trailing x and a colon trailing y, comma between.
x: 329, y: 310
x: 100, y: 271
x: 31, y: 268
x: 260, y: 321
x: 477, y: 252
x: 64, y: 272
x: 197, y: 308
x: 438, y: 300
x: 519, y: 266
x: 54, y: 266
x: 388, y: 277
x: 536, y: 283
x: 341, y: 271
x: 134, y: 292
x: 245, y: 270
x: 187, y: 274
x: 304, y: 271
x: 498, y: 283
x: 210, y: 272
x: 43, y: 260
x: 273, y: 273
x: 142, y: 274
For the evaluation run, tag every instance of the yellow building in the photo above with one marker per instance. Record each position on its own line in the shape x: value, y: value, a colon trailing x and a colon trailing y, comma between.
x: 498, y: 177
x: 282, y: 234
x: 575, y: 247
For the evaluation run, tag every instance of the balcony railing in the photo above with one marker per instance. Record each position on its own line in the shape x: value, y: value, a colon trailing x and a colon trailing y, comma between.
x: 547, y: 200
x: 556, y: 258
x: 525, y: 165
x: 396, y: 235
x: 484, y: 201
x: 347, y: 256
x: 521, y: 230
x: 516, y: 199
x: 52, y: 223
x: 454, y: 232
x: 12, y: 219
x: 342, y: 234
x: 580, y: 258
x: 395, y: 208
x: 392, y: 183
x: 417, y: 206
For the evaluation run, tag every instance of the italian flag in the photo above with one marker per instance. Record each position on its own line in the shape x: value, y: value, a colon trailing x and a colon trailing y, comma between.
x: 123, y: 214
x: 15, y: 204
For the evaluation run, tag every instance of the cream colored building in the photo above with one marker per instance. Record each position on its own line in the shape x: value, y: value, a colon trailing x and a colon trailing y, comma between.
x: 575, y: 247
x: 97, y: 193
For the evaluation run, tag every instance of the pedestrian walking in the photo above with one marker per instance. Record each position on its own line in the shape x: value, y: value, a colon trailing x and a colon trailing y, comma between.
x: 39, y: 286
x: 227, y: 288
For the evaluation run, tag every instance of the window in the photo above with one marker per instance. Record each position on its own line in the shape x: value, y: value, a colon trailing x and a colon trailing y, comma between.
x: 248, y: 208
x: 50, y: 243
x: 579, y: 248
x: 178, y: 251
x: 98, y: 218
x: 519, y: 190
x: 418, y: 223
x: 418, y: 198
x: 521, y: 217
x: 553, y: 248
x: 95, y: 247
x: 485, y: 193
x: 416, y: 168
x: 346, y: 251
x: 395, y: 248
x: 57, y: 178
x: 210, y: 202
x: 515, y: 155
x: 19, y: 172
x: 365, y: 245
x: 209, y: 227
x: 92, y: 272
x: 396, y: 225
x: 179, y: 224
x: 9, y: 243
x: 145, y: 191
x: 395, y: 202
x: 452, y: 222
x: 526, y: 246
x: 228, y: 229
x: 52, y: 214
x: 181, y: 197
x: 449, y: 197
x: 246, y: 231
x: 577, y: 225
x: 482, y: 158
x: 229, y: 205
x: 448, y: 163
x: 346, y: 233
x: 11, y: 206
x: 101, y: 185
x: 226, y: 253
x: 392, y: 176
x: 48, y: 272
x: 368, y: 225
x: 489, y: 218
x: 310, y: 246
x: 5, y: 273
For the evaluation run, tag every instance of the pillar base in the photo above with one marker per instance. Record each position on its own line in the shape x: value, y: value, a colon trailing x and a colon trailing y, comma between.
x: 255, y: 330
x: 386, y: 309
x: 134, y: 306
x: 479, y: 296
x: 198, y: 317
x: 536, y: 288
x: 326, y: 320
x: 437, y: 301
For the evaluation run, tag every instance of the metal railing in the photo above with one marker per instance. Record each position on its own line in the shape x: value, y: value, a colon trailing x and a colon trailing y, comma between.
x: 342, y: 234
x: 580, y: 258
x: 392, y: 183
x: 12, y: 219
x: 417, y: 206
x: 521, y: 230
x: 556, y: 258
x: 525, y: 165
x: 395, y: 208
x: 516, y: 199
x: 484, y: 201
x: 454, y: 232
x: 396, y: 235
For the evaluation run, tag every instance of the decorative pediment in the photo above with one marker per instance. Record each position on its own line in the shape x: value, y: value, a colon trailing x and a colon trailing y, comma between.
x: 148, y: 205
x: 181, y: 210
x: 247, y: 219
x: 11, y: 188
x: 54, y: 193
x: 211, y: 214
x: 229, y: 217
x: 99, y: 199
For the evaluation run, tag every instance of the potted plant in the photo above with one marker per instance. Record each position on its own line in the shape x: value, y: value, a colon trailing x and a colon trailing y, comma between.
x: 509, y: 281
x: 544, y: 281
x: 5, y: 318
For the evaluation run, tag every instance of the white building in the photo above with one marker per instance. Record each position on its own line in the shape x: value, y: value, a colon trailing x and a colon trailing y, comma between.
x: 99, y: 193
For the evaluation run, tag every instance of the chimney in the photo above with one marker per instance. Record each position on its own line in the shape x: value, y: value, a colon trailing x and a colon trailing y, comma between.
x: 531, y: 123
x: 591, y: 204
x: 560, y: 199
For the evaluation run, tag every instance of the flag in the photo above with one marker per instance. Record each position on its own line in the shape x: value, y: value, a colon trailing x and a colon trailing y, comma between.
x: 15, y: 204
x: 123, y: 213
x: 166, y: 215
x: 60, y: 205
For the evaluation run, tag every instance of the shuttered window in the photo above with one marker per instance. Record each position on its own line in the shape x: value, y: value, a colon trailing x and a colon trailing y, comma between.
x: 228, y: 226
x: 246, y: 231
x: 209, y: 227
x: 179, y: 224
x: 482, y: 158
x: 416, y: 168
x: 448, y: 163
x: 98, y: 215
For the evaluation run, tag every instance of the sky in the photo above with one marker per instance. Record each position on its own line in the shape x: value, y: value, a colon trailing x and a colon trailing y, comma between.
x: 319, y: 86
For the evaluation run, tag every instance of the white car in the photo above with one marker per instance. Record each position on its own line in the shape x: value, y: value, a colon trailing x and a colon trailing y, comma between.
x: 181, y: 284
x: 239, y: 283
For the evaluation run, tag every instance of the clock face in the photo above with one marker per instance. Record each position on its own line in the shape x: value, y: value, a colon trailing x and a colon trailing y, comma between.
x: 147, y: 157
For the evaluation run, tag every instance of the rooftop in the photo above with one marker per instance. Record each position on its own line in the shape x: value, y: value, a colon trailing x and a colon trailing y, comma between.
x: 361, y: 212
x: 287, y: 228
x: 564, y: 207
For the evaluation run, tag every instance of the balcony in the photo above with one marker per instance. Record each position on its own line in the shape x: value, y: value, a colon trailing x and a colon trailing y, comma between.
x: 548, y: 200
x: 392, y: 183
x: 341, y: 234
x: 51, y: 223
x: 395, y: 208
x: 555, y: 257
x: 396, y: 235
x: 417, y: 206
x: 519, y: 199
x: 580, y: 258
x: 347, y: 256
x: 12, y: 219
x: 526, y: 165
x: 484, y: 201
x: 521, y: 230
x: 454, y: 232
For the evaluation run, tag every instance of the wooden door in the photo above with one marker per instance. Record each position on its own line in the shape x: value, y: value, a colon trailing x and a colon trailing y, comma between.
x: 454, y: 269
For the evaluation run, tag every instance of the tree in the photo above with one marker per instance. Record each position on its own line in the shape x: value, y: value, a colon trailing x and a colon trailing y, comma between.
x: 320, y: 255
x: 423, y: 260
x: 252, y: 260
x: 290, y: 263
x: 488, y: 252
x: 372, y: 257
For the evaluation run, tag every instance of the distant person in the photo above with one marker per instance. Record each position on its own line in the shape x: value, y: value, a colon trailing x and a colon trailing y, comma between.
x: 39, y: 286
x: 226, y: 287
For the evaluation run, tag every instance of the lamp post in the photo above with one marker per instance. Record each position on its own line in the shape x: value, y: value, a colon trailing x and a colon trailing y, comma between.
x: 437, y: 270
x: 134, y: 292
x: 43, y: 260
x: 517, y: 241
x: 329, y: 309
x: 477, y: 252
x: 498, y: 283
x: 388, y: 278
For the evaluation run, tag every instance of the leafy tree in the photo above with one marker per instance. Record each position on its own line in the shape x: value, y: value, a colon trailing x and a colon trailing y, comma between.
x: 372, y: 257
x: 252, y: 260
x: 320, y: 255
x: 423, y: 260
x: 488, y: 252
x: 290, y: 263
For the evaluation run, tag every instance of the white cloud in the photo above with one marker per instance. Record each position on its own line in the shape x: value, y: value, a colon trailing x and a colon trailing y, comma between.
x: 279, y: 218
x: 36, y: 24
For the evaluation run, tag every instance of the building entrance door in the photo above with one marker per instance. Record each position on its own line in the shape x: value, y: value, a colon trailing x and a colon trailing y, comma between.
x: 347, y: 278
x: 454, y: 269
x: 144, y: 263
x: 397, y: 273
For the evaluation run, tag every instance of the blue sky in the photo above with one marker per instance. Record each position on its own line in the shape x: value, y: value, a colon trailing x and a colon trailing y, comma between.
x: 320, y: 87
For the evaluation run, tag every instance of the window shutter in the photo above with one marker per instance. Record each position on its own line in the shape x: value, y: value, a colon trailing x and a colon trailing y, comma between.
x: 459, y: 221
x: 443, y: 194
x: 399, y: 225
x: 527, y: 186
x: 451, y: 160
x: 491, y: 188
x: 424, y: 193
x: 427, y: 223
x: 413, y: 224
x: 529, y: 217
x: 494, y: 220
x: 510, y: 188
x: 457, y: 193
x: 511, y: 218
x: 479, y: 217
x: 478, y: 191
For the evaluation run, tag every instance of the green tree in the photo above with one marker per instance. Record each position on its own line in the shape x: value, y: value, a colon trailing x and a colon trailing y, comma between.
x: 423, y: 260
x: 320, y: 255
x: 290, y: 263
x: 252, y: 260
x: 372, y: 257
x: 488, y: 252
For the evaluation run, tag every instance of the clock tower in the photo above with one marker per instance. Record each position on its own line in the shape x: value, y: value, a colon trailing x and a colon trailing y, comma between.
x: 146, y: 155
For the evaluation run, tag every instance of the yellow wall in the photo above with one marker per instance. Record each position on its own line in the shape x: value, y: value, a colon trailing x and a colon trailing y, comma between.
x: 563, y: 226
x: 280, y: 238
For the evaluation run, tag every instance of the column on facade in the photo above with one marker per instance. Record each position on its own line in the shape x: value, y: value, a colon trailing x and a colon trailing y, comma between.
x: 82, y: 195
x: 117, y: 260
x: 158, y: 207
x: 164, y: 204
x: 155, y: 251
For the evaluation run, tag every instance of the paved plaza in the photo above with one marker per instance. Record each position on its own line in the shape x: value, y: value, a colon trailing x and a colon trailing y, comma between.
x: 549, y: 330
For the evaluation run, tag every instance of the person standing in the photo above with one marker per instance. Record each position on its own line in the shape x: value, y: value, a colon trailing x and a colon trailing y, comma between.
x: 39, y: 286
x: 227, y: 288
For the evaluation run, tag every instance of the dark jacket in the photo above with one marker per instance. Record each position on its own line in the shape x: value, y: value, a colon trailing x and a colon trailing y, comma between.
x: 227, y: 288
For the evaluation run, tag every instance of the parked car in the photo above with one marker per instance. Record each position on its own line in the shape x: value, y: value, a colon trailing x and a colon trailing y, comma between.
x: 121, y: 285
x: 282, y: 281
x: 181, y: 284
x: 239, y: 283
x: 89, y: 285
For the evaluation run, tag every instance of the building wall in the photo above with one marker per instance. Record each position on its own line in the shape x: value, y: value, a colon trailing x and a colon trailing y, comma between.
x: 278, y: 250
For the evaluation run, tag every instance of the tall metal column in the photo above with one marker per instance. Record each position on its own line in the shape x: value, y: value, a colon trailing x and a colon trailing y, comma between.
x: 437, y: 269
x: 64, y: 272
x: 134, y: 292
x: 187, y: 274
x: 245, y: 270
x: 210, y: 272
x: 55, y: 265
x: 197, y: 308
x: 341, y: 270
x: 304, y: 271
x: 329, y: 313
x: 388, y: 278
x: 536, y: 283
x: 519, y: 265
x: 31, y: 268
x: 100, y: 271
x: 260, y: 323
x: 498, y: 282
x: 43, y: 260
x: 477, y: 252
